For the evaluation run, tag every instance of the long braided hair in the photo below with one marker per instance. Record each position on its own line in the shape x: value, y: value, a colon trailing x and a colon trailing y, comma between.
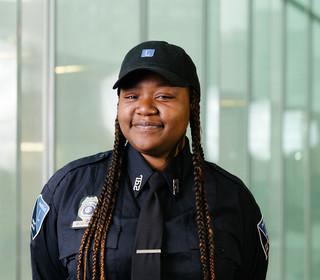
x: 93, y: 263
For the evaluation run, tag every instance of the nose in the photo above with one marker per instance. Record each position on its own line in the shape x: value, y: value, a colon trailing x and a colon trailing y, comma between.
x: 146, y: 106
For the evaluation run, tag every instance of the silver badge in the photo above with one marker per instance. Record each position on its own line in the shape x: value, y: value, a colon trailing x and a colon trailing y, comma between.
x: 85, y: 212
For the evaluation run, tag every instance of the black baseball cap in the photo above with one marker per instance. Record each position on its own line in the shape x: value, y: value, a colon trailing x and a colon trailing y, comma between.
x: 169, y: 61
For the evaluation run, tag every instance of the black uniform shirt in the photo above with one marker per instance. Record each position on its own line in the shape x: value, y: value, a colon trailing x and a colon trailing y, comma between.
x: 240, y: 236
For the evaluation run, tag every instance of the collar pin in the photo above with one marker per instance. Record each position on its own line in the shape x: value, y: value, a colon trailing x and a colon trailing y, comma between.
x: 137, y: 183
x: 175, y: 187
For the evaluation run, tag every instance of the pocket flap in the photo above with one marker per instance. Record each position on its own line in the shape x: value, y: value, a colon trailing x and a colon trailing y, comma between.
x: 113, y: 237
x: 227, y: 246
x: 71, y: 240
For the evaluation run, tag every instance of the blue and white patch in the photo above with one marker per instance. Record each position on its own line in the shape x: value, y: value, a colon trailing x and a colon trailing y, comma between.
x: 40, y: 211
x: 148, y: 52
x: 263, y: 236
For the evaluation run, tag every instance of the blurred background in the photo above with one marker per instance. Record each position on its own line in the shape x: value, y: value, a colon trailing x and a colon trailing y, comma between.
x: 259, y: 65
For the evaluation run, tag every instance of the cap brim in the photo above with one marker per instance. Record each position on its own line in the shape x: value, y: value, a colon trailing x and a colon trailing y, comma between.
x: 171, y: 77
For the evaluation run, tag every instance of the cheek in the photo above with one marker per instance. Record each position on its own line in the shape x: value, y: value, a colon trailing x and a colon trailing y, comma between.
x: 124, y: 121
x: 123, y: 115
x: 183, y: 117
x: 179, y: 123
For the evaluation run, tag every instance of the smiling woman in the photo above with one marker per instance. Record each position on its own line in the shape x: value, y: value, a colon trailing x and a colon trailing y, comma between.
x: 160, y: 211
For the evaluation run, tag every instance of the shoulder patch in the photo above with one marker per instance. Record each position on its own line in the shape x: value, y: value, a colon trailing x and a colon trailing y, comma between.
x: 263, y: 236
x: 40, y: 211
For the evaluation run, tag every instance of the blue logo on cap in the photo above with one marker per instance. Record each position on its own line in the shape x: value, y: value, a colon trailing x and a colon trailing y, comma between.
x: 147, y: 52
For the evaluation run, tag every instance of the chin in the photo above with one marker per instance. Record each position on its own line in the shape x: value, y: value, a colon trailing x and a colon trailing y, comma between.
x: 146, y: 148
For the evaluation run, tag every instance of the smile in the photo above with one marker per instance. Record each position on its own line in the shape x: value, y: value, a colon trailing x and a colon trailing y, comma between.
x: 147, y: 125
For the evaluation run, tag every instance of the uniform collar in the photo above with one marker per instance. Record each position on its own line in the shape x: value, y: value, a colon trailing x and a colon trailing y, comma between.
x: 140, y: 171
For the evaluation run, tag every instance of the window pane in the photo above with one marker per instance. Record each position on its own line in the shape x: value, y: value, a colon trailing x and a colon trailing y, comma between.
x: 315, y: 149
x: 33, y: 38
x: 8, y: 141
x: 89, y: 53
x: 210, y: 104
x: 294, y: 133
x: 233, y: 86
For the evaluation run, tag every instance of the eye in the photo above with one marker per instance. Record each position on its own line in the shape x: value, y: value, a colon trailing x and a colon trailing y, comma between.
x: 130, y: 96
x: 164, y: 96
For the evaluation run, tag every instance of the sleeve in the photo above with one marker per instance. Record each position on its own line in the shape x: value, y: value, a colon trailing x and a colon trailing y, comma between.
x: 257, y: 253
x: 45, y: 261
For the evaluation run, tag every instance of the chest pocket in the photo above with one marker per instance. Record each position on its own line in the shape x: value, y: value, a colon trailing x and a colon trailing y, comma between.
x: 228, y: 258
x: 181, y: 256
x: 183, y: 252
x: 70, y: 243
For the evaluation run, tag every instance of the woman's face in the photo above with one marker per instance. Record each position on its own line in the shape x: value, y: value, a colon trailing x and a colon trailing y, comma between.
x: 153, y: 115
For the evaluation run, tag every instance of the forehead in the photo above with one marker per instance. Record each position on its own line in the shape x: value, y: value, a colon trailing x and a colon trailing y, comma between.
x: 143, y: 76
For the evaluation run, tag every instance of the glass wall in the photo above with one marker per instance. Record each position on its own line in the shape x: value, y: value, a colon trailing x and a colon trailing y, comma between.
x: 8, y: 139
x: 265, y: 121
x: 314, y: 138
x: 258, y: 62
x: 89, y: 47
x: 33, y: 123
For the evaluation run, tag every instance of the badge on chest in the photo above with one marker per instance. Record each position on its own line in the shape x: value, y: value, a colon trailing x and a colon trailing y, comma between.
x: 85, y: 212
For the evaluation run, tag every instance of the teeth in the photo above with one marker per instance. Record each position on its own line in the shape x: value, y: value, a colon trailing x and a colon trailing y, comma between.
x: 147, y: 125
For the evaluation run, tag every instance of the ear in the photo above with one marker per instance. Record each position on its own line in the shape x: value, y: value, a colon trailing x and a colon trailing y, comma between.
x: 118, y: 93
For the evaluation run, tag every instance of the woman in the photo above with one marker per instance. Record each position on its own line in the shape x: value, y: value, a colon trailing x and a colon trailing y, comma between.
x: 149, y: 209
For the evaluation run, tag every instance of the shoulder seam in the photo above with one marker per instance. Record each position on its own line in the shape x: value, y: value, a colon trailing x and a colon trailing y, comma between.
x: 225, y: 173
x: 69, y: 167
x: 233, y: 178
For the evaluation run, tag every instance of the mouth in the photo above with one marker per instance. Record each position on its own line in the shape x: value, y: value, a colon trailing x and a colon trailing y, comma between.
x: 147, y: 125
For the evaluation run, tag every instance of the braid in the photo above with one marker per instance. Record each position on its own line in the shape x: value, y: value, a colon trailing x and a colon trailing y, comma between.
x: 96, y: 233
x: 203, y: 219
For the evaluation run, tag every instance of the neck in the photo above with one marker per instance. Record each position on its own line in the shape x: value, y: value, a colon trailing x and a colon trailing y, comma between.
x: 159, y: 163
